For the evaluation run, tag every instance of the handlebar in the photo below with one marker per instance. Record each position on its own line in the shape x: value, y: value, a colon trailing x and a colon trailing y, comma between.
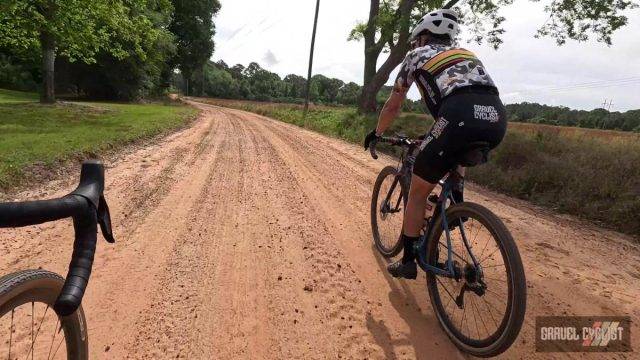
x: 88, y: 208
x: 393, y: 141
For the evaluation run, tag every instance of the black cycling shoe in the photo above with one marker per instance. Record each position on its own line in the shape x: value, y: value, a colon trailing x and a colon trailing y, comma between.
x: 406, y: 270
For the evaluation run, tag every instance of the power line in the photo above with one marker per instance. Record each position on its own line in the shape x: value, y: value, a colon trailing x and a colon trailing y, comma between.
x: 587, y: 85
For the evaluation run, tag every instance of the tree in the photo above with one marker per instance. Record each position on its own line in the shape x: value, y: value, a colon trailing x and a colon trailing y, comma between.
x: 295, y: 85
x: 348, y: 94
x: 194, y: 29
x: 389, y: 23
x: 76, y: 29
x: 130, y: 78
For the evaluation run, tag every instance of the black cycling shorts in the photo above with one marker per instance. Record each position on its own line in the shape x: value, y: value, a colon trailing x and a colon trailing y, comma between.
x: 463, y: 118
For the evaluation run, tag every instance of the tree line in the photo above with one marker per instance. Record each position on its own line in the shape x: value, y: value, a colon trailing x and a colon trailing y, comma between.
x: 561, y: 115
x: 219, y: 80
x: 106, y: 49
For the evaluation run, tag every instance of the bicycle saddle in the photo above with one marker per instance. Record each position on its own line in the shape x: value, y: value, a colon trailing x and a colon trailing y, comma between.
x: 474, y: 154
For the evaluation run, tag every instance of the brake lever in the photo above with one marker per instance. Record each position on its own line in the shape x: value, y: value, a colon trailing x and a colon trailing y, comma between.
x: 104, y: 219
x: 372, y: 149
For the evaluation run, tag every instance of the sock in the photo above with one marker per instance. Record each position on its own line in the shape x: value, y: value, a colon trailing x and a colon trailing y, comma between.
x: 408, y: 255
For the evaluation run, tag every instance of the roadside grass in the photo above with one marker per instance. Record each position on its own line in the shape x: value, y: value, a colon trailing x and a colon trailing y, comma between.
x: 36, y: 137
x: 10, y: 96
x: 593, y: 174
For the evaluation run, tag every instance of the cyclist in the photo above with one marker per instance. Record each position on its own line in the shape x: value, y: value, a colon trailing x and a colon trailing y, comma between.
x: 463, y: 100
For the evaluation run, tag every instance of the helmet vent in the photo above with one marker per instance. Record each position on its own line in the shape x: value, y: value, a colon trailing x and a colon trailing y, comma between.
x: 450, y: 17
x: 451, y: 26
x: 437, y: 22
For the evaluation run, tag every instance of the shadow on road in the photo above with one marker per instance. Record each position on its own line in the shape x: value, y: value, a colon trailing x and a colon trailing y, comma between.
x: 425, y: 336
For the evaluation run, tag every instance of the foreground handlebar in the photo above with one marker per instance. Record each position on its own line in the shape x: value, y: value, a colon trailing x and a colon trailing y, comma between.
x: 85, y: 225
x: 92, y: 211
x: 88, y: 208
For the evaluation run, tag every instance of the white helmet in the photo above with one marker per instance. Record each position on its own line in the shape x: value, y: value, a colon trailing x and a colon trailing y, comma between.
x: 441, y: 22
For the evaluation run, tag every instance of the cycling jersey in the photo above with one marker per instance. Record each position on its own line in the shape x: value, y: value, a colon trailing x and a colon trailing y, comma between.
x: 439, y: 70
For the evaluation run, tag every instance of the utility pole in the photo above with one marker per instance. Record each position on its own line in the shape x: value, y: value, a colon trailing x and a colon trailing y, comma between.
x: 608, y: 108
x: 313, y: 43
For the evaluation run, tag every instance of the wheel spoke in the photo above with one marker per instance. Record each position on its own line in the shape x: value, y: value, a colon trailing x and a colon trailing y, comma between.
x: 490, y: 313
x: 53, y: 337
x: 11, y: 332
x: 453, y: 252
x: 445, y: 289
x: 37, y: 332
x: 60, y: 343
x: 474, y: 317
x: 33, y: 305
x: 497, y: 295
x: 488, y: 256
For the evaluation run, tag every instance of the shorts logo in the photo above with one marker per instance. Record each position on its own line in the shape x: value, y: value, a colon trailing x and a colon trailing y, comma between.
x: 439, y: 126
x: 426, y: 142
x: 483, y: 112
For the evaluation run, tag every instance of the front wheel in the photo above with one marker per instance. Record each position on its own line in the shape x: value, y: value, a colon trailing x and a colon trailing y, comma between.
x: 387, y: 211
x: 28, y: 325
x: 482, y: 308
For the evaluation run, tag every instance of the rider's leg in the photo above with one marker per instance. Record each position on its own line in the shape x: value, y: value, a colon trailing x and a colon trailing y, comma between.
x: 413, y: 222
x: 414, y: 214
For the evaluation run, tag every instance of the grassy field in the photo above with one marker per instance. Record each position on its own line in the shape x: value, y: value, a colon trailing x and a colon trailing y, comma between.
x: 10, y: 96
x: 593, y: 174
x: 37, y: 137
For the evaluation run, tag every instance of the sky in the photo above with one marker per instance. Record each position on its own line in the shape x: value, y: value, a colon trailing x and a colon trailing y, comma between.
x: 277, y: 34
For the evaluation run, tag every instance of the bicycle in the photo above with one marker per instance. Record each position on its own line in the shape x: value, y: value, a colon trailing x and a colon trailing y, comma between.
x: 454, y: 262
x: 25, y: 294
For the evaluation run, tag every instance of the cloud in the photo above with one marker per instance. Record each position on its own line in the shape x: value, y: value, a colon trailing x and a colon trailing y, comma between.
x: 525, y: 68
x: 270, y: 59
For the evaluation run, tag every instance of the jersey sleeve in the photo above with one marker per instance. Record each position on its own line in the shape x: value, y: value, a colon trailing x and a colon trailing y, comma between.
x: 405, y: 78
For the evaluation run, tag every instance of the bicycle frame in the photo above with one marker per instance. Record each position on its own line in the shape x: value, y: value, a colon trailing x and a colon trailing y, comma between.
x: 406, y: 161
x: 421, y: 245
x: 441, y: 208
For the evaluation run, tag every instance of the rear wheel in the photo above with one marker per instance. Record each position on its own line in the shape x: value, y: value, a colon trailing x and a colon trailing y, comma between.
x: 387, y: 210
x: 29, y: 328
x: 483, y: 308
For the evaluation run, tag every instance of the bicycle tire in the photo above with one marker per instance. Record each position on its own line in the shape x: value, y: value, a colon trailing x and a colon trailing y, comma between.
x: 511, y: 325
x: 43, y: 286
x: 385, y: 251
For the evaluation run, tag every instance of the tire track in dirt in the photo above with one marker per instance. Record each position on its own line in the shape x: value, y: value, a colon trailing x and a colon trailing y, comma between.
x: 244, y: 237
x: 325, y: 183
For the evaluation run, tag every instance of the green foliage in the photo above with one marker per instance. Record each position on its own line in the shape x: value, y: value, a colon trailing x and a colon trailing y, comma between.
x: 80, y: 28
x: 597, y: 177
x: 37, y: 135
x: 559, y: 115
x: 255, y: 83
x: 194, y: 29
x: 129, y: 78
x: 577, y: 19
x: 106, y: 49
x: 18, y: 74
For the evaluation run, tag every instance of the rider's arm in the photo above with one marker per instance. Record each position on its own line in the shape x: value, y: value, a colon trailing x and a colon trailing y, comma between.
x: 402, y: 84
x: 391, y: 109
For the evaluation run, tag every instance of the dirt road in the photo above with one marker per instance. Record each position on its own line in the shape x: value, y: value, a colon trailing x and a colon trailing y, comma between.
x: 244, y: 237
